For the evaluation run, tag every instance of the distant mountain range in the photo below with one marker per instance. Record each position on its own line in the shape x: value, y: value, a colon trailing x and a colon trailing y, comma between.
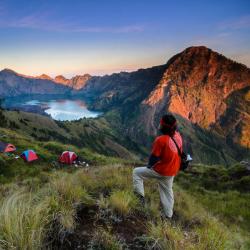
x: 15, y: 84
x: 76, y: 82
x: 209, y: 93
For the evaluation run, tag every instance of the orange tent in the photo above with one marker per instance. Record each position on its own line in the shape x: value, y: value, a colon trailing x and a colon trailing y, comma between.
x: 7, y: 147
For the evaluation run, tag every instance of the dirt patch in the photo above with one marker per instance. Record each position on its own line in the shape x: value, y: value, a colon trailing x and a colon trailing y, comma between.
x: 127, y: 229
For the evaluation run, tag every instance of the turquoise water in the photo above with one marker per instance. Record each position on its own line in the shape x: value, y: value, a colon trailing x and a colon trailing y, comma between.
x: 64, y: 110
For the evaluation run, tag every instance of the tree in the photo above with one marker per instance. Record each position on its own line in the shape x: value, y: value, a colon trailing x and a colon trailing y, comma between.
x: 3, y: 120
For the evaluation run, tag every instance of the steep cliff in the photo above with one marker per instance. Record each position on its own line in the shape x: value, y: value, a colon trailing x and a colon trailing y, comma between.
x: 196, y: 85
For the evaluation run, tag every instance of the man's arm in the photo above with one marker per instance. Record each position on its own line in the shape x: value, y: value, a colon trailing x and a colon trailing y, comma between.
x: 155, y: 154
x: 153, y: 160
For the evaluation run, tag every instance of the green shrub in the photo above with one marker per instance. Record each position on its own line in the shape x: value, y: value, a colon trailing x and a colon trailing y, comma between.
x: 238, y: 171
x: 242, y: 184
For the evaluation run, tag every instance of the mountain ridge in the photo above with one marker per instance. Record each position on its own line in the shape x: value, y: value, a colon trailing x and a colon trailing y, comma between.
x: 206, y: 91
x: 197, y: 85
x: 76, y: 82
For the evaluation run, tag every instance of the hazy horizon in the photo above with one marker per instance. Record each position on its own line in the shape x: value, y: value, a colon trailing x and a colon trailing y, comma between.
x: 45, y: 37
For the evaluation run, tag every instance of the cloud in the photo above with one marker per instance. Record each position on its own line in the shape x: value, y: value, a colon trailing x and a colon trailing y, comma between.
x: 242, y: 22
x: 41, y: 21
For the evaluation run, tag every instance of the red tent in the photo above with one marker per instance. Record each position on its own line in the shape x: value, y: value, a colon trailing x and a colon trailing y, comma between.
x: 68, y: 157
x: 7, y: 147
x: 29, y: 155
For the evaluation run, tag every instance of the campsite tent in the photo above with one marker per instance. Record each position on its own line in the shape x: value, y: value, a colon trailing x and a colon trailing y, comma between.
x: 7, y: 147
x: 29, y: 155
x: 68, y: 157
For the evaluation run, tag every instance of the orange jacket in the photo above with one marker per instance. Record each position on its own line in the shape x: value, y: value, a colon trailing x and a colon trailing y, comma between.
x: 165, y: 149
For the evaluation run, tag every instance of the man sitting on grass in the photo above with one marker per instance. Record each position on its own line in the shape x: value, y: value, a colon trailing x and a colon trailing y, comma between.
x: 163, y: 165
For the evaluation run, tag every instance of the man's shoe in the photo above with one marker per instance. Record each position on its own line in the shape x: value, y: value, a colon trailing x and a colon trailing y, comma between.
x: 140, y: 198
x: 165, y: 218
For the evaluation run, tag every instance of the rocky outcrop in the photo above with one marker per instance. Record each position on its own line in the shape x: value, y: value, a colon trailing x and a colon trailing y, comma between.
x: 45, y: 77
x: 61, y: 79
x: 196, y: 86
x: 77, y: 82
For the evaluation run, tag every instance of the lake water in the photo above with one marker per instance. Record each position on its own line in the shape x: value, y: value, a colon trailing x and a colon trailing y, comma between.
x: 63, y: 110
x: 59, y: 109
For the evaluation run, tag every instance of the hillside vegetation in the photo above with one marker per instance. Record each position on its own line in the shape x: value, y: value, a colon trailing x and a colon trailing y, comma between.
x: 93, y: 140
x: 96, y: 209
x: 47, y: 206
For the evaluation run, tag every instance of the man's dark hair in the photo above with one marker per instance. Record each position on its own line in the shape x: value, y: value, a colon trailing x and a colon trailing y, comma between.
x: 168, y: 125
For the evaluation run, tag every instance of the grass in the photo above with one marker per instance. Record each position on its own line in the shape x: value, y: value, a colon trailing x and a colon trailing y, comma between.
x: 92, y: 134
x: 163, y: 236
x: 218, y: 189
x: 26, y: 218
x: 123, y: 202
x: 23, y: 221
x: 39, y: 204
x: 103, y: 239
x: 12, y: 169
x: 32, y: 214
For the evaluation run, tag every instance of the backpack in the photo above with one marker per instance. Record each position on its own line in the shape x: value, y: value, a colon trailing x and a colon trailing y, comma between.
x: 183, y: 156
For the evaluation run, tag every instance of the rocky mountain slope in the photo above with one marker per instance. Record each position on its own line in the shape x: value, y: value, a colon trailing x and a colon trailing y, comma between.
x: 196, y: 86
x: 124, y: 90
x: 14, y: 84
x: 77, y: 82
x: 208, y: 92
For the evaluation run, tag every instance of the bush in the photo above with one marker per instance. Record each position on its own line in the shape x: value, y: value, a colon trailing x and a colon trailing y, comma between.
x: 243, y: 184
x: 238, y: 171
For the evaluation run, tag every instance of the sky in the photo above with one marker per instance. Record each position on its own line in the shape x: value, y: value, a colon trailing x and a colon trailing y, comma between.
x: 100, y: 37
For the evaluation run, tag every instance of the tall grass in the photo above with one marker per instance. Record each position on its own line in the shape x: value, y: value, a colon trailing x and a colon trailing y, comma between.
x: 27, y: 214
x: 164, y: 236
x: 66, y: 195
x: 123, y: 202
x: 23, y: 221
x: 25, y: 217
